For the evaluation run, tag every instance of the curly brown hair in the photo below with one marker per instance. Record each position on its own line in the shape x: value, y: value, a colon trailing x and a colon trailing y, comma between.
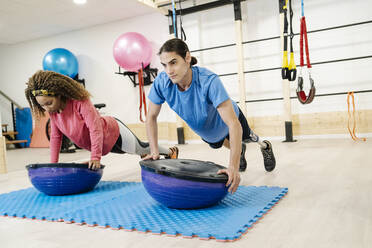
x: 58, y: 84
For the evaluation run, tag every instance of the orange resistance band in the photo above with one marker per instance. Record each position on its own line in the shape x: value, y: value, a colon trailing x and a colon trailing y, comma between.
x: 352, y: 133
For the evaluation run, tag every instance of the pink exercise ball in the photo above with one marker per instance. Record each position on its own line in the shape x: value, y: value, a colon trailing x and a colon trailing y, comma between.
x: 131, y: 50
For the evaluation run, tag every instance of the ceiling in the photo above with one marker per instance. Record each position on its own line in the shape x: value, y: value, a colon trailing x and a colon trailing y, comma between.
x: 24, y: 20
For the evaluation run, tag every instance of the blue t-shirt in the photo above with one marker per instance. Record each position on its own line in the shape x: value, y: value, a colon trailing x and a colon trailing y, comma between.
x: 197, y: 105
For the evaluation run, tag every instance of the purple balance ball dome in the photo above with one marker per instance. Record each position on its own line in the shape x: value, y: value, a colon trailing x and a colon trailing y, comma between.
x: 63, y: 178
x: 184, y: 183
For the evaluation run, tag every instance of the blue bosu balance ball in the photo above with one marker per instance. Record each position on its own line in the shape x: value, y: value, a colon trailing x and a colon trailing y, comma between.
x: 184, y: 183
x: 63, y: 178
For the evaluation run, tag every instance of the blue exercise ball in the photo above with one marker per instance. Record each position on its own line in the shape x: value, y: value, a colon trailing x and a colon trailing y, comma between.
x: 62, y: 61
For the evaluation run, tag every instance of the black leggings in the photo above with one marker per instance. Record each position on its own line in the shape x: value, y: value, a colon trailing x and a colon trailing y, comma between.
x: 246, y: 132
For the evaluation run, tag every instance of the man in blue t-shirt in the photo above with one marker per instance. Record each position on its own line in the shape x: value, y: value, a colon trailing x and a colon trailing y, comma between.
x: 197, y: 95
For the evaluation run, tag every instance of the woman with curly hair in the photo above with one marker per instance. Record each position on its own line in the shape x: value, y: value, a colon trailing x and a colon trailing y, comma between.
x: 72, y: 114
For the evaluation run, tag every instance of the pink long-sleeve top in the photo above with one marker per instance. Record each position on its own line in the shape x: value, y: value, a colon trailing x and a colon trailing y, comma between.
x: 84, y: 126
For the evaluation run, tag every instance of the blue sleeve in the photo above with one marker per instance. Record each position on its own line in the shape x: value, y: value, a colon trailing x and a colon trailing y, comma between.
x: 217, y: 93
x: 156, y: 94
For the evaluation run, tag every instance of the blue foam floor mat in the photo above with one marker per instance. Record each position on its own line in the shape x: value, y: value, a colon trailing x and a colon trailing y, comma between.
x: 126, y: 205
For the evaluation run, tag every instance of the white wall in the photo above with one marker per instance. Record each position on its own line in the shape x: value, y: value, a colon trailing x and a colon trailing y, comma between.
x: 261, y: 20
x: 93, y: 48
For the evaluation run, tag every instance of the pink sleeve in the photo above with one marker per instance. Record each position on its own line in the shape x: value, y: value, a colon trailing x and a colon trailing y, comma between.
x: 55, y: 142
x: 93, y: 122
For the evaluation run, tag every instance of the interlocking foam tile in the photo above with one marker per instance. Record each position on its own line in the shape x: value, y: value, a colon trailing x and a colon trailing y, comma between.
x: 126, y: 205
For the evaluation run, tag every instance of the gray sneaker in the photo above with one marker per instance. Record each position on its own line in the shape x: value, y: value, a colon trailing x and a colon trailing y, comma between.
x: 268, y: 156
x: 243, y: 162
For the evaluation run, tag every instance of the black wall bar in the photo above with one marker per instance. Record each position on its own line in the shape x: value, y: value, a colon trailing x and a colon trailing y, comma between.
x: 316, y: 63
x: 295, y: 97
x: 277, y: 37
x: 201, y: 7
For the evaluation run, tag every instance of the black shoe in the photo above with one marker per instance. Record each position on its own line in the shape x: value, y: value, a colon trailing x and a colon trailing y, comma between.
x: 243, y: 162
x: 268, y: 156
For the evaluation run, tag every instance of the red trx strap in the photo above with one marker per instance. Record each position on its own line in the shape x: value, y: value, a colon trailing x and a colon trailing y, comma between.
x: 300, y: 93
x: 142, y: 94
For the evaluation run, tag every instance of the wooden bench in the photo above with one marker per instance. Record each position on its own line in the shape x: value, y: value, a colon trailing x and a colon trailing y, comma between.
x: 15, y: 141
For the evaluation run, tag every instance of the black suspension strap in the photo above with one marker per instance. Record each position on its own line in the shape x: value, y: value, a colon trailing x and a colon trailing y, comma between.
x: 183, y: 34
x: 288, y: 69
x: 292, y: 64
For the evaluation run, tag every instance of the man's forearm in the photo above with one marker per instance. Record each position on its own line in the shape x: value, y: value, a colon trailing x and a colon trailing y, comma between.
x: 235, y: 133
